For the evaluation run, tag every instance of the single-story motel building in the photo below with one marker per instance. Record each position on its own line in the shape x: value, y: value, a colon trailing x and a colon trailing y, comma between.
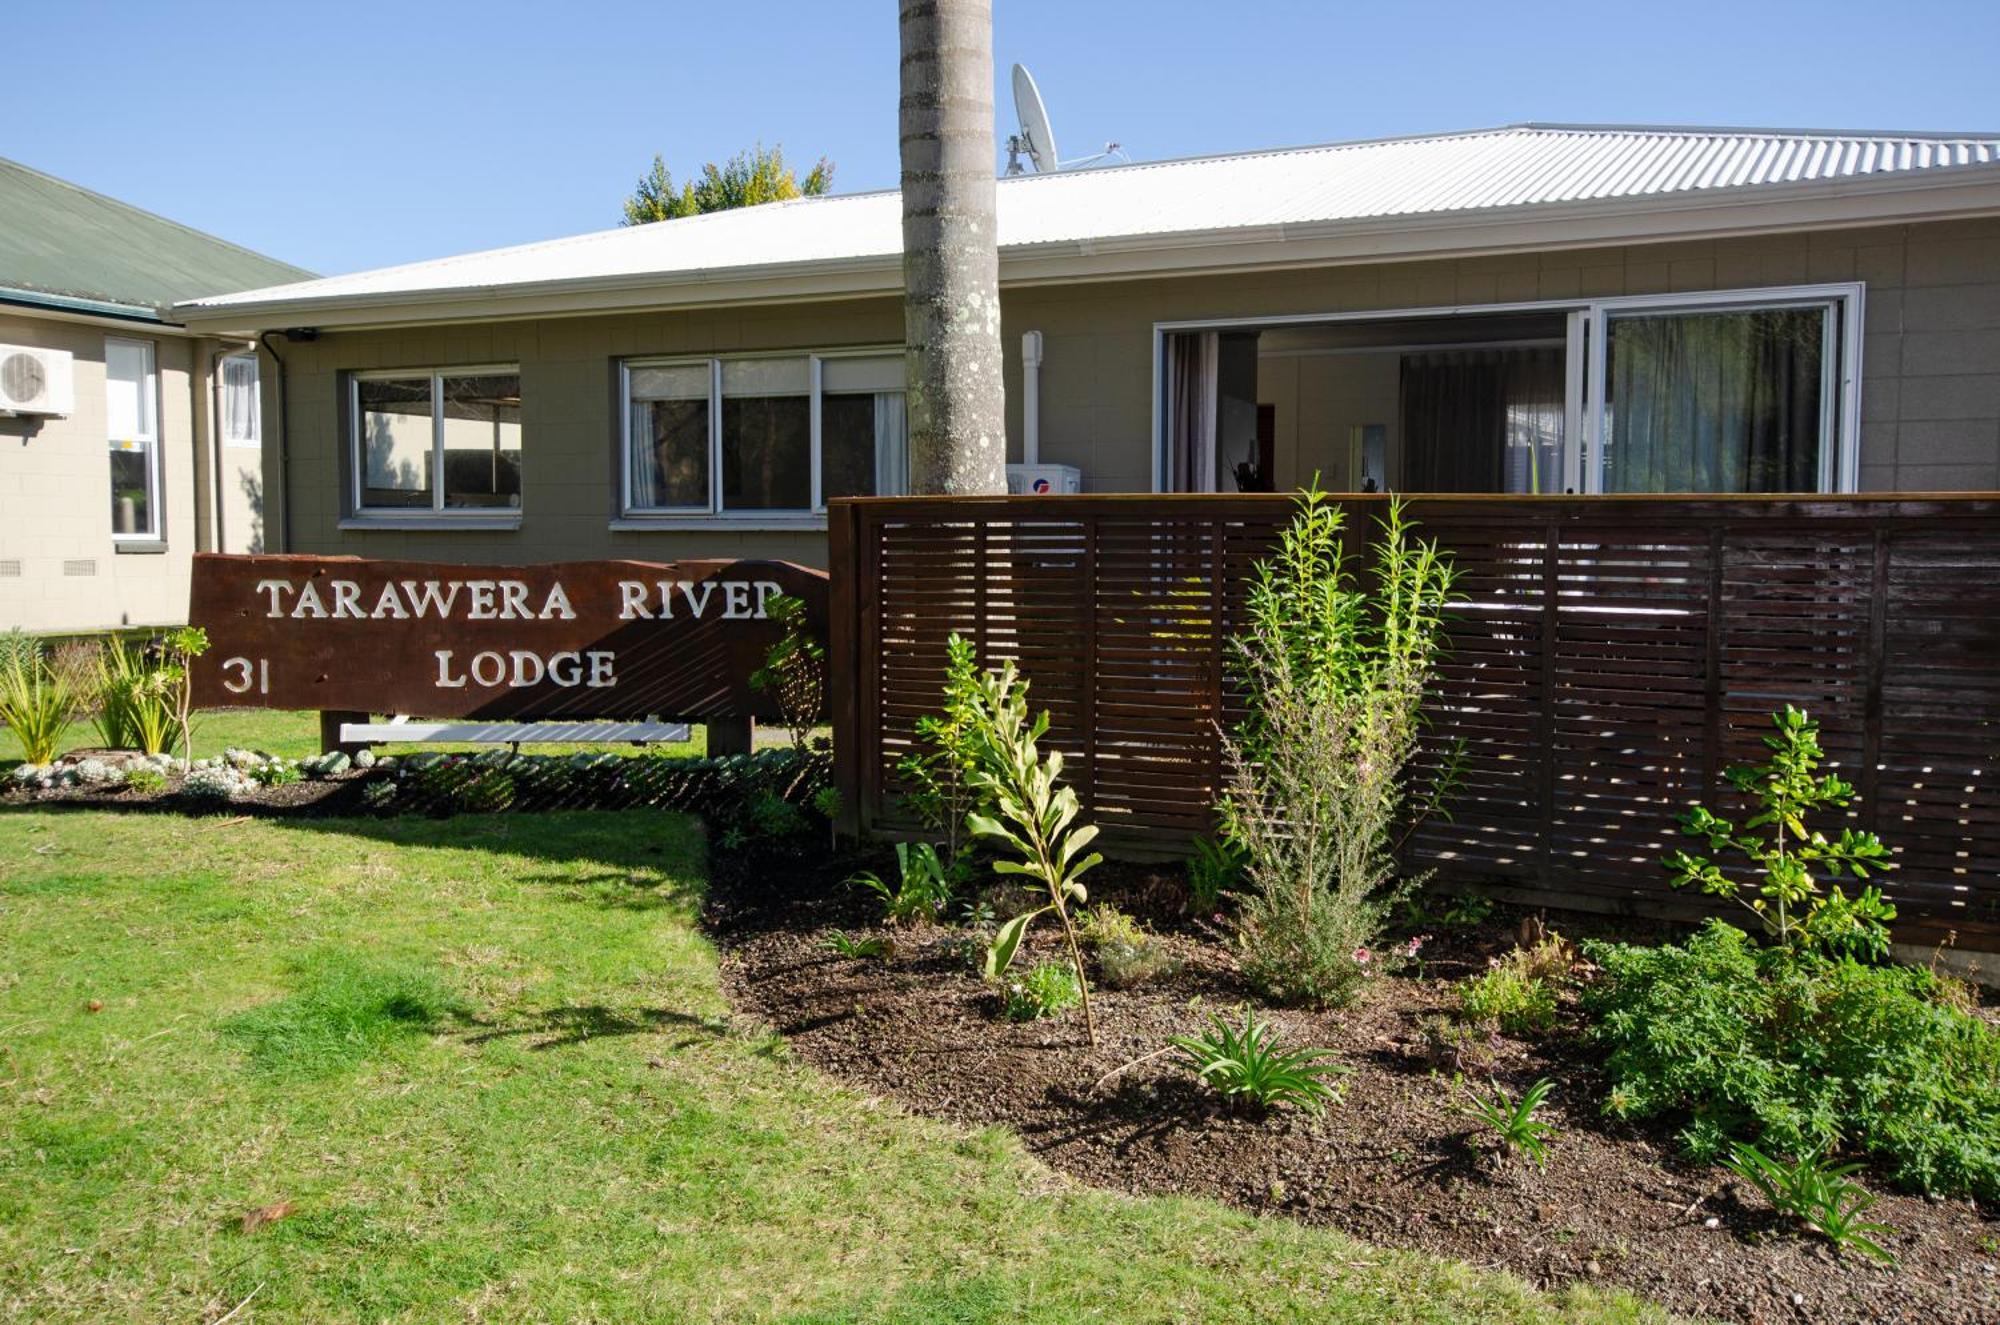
x: 128, y: 441
x: 1530, y: 309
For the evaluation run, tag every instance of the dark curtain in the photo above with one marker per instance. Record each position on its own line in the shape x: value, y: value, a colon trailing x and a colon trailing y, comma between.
x: 1483, y: 420
x: 1715, y: 402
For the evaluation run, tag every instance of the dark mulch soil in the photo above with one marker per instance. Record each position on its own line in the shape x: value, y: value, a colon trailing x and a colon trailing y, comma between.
x: 1398, y: 1162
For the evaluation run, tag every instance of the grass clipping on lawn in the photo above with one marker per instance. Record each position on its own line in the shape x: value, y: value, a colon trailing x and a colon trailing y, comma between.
x: 484, y: 1069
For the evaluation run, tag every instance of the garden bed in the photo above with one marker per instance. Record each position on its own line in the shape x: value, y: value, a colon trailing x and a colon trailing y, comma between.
x: 1398, y: 1161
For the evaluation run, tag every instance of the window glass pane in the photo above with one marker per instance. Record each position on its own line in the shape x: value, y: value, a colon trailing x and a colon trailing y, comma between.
x: 862, y: 444
x: 241, y: 421
x: 766, y: 435
x: 128, y: 389
x: 393, y: 425
x: 1715, y: 402
x: 132, y: 507
x: 880, y: 373
x: 482, y: 441
x: 669, y: 407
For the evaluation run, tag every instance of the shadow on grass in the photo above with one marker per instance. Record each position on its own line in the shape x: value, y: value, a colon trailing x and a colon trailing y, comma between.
x: 561, y: 1026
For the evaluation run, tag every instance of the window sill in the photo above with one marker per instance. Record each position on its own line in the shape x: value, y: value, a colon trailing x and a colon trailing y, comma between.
x: 140, y: 547
x: 652, y: 524
x: 505, y: 521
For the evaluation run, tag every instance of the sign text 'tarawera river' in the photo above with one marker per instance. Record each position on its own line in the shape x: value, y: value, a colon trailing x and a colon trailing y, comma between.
x: 585, y: 639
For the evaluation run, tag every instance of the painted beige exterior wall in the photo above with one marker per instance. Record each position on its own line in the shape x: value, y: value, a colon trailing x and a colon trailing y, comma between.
x: 1930, y: 394
x: 60, y: 570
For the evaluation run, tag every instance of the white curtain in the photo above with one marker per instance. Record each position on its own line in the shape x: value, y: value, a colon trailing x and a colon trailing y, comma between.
x: 892, y: 445
x: 1192, y: 359
x: 644, y: 459
x: 241, y: 404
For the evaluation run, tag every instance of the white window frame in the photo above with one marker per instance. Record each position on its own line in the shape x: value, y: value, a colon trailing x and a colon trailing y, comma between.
x: 1587, y: 355
x: 256, y: 438
x: 437, y: 515
x: 715, y: 515
x: 149, y: 439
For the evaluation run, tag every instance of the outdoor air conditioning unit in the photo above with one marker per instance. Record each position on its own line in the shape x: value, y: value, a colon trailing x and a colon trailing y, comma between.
x: 35, y: 381
x: 1033, y: 480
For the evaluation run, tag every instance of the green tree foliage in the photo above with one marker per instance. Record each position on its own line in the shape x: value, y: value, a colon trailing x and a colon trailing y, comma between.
x: 745, y: 180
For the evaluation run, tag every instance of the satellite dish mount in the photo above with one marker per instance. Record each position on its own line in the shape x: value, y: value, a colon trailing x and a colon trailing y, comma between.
x: 1037, y: 139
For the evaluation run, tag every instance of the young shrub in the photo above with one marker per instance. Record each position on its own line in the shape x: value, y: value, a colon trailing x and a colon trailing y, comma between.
x: 794, y: 671
x: 120, y: 670
x: 922, y: 889
x: 1800, y: 1053
x: 171, y: 683
x: 1247, y: 1066
x: 1336, y: 676
x: 943, y: 791
x: 1033, y: 816
x: 1215, y: 868
x: 1048, y: 990
x: 1823, y: 1197
x: 1514, y: 1122
x: 1788, y: 899
x: 38, y: 701
x: 1127, y: 955
x: 1519, y: 1003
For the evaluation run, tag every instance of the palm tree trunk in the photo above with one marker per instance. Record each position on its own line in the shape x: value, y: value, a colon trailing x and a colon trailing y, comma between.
x: 951, y: 271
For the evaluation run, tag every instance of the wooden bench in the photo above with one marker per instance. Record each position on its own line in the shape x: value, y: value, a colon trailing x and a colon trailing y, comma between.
x: 402, y: 731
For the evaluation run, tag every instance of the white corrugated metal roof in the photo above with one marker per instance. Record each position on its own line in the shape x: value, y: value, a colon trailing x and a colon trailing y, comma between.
x: 1492, y: 170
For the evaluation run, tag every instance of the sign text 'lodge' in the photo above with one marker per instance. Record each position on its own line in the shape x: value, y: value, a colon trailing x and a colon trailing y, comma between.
x: 595, y: 639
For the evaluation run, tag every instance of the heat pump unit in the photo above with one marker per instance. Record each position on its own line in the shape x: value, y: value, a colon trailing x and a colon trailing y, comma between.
x: 35, y: 381
x: 1042, y: 480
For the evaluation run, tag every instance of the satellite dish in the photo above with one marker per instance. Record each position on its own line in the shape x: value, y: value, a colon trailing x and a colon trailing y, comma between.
x: 1037, y: 137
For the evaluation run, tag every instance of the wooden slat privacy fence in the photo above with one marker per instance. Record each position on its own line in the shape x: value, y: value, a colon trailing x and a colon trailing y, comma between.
x: 1610, y: 658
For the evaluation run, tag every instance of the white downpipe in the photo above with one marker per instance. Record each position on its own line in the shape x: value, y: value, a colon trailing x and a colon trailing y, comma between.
x: 1031, y: 397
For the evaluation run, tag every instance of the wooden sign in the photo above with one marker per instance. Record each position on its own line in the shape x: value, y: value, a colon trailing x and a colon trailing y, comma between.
x: 585, y: 639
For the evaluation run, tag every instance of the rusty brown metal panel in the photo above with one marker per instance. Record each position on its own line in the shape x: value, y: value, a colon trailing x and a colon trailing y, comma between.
x: 591, y: 639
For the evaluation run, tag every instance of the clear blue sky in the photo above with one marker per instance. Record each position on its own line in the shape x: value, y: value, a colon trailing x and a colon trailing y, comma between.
x: 363, y: 134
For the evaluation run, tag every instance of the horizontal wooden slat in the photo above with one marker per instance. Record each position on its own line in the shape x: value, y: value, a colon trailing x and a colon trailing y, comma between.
x: 1591, y: 716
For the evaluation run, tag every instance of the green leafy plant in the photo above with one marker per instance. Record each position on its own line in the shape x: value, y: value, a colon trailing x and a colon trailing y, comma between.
x: 794, y: 671
x: 171, y: 682
x: 1247, y: 1066
x: 922, y: 889
x: 1513, y: 1120
x: 841, y: 943
x: 1047, y: 990
x: 1785, y: 895
x: 146, y: 781
x: 943, y: 792
x: 1824, y: 1197
x: 1033, y: 815
x: 1454, y: 911
x: 1215, y: 868
x: 38, y: 700
x: 1335, y: 669
x: 826, y: 804
x: 121, y: 673
x: 1127, y: 954
x: 1798, y: 1052
x: 1506, y: 995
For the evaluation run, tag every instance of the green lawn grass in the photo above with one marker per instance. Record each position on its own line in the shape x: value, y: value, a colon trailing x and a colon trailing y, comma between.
x: 488, y: 1064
